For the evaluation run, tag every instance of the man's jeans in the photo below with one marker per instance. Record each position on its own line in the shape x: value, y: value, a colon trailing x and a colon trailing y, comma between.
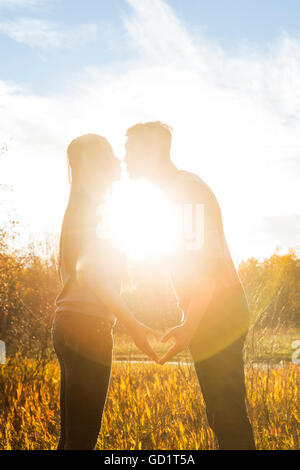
x: 217, y: 350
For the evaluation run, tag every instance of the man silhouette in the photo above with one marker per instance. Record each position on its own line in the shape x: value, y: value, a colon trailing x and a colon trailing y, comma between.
x: 209, y: 291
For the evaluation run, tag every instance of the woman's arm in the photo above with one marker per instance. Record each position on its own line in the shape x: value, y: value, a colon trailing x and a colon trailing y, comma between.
x: 104, y: 288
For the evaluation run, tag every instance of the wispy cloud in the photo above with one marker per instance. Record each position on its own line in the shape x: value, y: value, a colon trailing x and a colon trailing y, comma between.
x: 236, y: 121
x: 45, y: 35
x: 156, y: 31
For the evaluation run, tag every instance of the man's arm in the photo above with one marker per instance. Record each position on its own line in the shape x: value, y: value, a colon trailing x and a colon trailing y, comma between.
x: 202, y: 293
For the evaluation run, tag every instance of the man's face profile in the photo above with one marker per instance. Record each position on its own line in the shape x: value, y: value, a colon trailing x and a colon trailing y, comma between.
x: 135, y: 157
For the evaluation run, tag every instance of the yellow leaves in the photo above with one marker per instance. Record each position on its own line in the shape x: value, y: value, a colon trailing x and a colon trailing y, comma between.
x: 123, y: 386
x: 147, y: 411
x: 181, y: 428
x: 297, y: 418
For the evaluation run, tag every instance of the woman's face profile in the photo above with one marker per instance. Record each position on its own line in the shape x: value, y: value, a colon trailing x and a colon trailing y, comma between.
x: 98, y: 172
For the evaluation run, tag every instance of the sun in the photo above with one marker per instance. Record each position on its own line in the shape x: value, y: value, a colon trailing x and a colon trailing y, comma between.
x: 141, y: 220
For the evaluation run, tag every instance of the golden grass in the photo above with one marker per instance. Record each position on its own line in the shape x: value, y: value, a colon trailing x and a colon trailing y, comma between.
x: 148, y: 407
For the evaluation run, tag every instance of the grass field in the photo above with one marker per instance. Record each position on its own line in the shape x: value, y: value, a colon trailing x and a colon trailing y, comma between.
x: 148, y: 407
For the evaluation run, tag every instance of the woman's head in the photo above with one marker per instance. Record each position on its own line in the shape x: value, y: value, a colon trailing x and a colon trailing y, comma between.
x: 93, y: 167
x: 92, y: 163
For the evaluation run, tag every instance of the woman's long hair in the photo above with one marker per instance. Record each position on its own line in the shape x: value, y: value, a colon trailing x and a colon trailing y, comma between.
x: 80, y: 216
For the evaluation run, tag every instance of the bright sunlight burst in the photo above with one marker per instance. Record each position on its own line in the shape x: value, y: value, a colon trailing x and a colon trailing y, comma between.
x: 140, y: 220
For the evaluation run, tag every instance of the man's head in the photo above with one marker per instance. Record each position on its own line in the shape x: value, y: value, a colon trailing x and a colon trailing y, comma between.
x: 147, y: 148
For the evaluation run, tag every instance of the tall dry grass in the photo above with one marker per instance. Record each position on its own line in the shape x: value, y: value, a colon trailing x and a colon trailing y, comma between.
x: 148, y: 407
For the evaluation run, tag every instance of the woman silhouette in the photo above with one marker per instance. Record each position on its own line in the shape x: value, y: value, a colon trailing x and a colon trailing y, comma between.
x: 91, y: 271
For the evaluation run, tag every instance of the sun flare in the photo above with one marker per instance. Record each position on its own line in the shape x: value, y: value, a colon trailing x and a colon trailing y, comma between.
x: 140, y: 220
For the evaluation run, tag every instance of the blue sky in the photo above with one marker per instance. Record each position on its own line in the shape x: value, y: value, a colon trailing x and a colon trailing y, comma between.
x: 224, y: 74
x: 231, y: 23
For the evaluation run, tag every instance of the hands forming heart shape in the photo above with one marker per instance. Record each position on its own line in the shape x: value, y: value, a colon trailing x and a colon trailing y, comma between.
x: 181, y: 335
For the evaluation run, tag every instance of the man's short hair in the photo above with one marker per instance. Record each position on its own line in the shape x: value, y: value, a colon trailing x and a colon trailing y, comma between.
x: 156, y: 130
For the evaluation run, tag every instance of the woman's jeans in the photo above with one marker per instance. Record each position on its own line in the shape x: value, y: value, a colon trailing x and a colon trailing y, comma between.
x: 83, y: 345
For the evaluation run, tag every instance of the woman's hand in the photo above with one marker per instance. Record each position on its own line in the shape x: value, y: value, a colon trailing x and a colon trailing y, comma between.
x: 140, y: 334
x: 183, y: 335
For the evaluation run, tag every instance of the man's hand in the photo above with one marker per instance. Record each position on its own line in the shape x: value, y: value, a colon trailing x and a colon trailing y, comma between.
x: 202, y: 293
x: 183, y: 335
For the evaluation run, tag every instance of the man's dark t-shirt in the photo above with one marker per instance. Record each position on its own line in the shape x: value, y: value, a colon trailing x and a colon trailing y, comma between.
x: 227, y: 315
